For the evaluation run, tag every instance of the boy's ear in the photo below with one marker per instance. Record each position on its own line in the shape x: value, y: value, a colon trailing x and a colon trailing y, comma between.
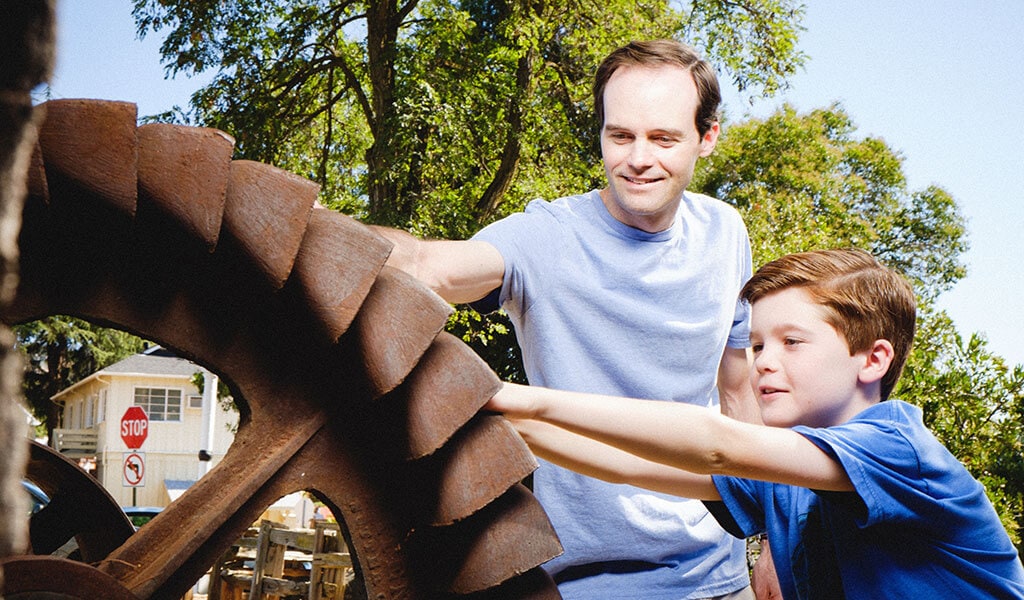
x: 876, y: 361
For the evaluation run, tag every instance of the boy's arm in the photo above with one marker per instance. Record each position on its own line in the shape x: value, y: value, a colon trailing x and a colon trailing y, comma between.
x: 735, y: 394
x: 594, y: 459
x: 458, y: 270
x: 679, y: 435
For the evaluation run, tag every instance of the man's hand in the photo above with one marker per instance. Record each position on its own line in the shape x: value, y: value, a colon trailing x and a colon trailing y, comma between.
x: 763, y: 578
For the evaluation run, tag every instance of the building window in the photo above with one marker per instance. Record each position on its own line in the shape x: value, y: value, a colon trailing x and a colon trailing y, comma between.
x: 195, y: 402
x: 161, y: 404
x: 90, y: 411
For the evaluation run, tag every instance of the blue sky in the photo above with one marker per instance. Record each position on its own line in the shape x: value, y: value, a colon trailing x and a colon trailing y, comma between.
x: 941, y: 81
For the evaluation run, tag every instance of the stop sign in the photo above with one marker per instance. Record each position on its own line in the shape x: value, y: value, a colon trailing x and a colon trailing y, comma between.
x: 134, y: 427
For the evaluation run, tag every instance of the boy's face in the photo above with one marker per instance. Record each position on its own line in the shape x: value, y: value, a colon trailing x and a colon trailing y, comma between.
x: 803, y: 373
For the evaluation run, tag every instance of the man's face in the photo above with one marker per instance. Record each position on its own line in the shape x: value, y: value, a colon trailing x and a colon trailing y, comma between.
x: 650, y: 143
x: 803, y: 373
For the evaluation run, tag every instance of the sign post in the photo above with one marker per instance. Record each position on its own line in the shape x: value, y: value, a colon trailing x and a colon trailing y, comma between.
x: 134, y: 430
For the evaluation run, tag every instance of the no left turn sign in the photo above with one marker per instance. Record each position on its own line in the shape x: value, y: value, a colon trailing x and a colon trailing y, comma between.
x: 134, y: 470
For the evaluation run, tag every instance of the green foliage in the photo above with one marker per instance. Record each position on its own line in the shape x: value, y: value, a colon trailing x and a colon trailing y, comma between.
x: 727, y: 33
x: 805, y: 181
x: 491, y: 336
x: 432, y: 115
x: 60, y: 351
x: 224, y: 397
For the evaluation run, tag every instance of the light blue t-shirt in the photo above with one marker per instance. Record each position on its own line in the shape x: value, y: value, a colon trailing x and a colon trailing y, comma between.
x: 601, y: 307
x: 918, y: 526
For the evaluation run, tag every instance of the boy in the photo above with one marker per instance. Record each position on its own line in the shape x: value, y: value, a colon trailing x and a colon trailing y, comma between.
x: 858, y: 499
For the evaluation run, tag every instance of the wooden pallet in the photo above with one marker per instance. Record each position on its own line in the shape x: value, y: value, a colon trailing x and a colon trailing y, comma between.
x: 312, y: 564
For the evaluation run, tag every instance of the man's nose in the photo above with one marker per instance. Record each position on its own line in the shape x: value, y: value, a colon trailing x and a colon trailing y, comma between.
x: 641, y: 155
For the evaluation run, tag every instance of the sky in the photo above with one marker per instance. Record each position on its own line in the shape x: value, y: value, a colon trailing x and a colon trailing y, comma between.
x: 941, y: 81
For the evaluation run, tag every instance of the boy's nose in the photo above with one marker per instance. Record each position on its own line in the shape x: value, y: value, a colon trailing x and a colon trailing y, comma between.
x: 764, y: 361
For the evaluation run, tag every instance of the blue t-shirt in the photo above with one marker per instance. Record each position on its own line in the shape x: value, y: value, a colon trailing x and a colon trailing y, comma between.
x: 601, y: 307
x: 918, y: 526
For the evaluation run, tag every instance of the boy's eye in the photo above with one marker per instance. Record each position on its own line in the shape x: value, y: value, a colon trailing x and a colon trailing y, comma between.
x: 792, y: 341
x: 756, y: 347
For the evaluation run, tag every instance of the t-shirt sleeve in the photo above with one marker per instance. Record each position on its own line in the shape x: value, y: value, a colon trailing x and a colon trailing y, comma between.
x: 739, y: 334
x: 888, y: 473
x: 741, y: 510
x: 520, y: 238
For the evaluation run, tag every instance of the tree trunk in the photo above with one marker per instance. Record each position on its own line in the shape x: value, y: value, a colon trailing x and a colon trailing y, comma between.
x: 382, y: 20
x: 512, y: 151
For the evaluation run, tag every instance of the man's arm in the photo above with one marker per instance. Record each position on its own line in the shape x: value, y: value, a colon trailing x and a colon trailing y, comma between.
x: 683, y: 436
x: 735, y: 394
x: 459, y: 271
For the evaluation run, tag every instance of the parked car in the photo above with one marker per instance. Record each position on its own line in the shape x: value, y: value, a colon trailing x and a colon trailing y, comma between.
x: 37, y: 497
x: 140, y: 515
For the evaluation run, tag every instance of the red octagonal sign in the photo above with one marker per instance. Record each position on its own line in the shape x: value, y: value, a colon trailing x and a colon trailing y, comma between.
x: 134, y: 427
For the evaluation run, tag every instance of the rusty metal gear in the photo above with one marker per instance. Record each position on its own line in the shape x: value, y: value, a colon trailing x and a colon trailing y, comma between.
x: 348, y: 386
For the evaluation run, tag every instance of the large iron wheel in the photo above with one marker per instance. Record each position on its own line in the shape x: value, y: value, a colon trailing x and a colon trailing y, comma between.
x: 348, y: 386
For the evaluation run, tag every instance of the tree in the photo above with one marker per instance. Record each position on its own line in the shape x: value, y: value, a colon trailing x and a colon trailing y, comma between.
x: 61, y: 351
x: 431, y: 115
x: 806, y: 181
x: 438, y: 116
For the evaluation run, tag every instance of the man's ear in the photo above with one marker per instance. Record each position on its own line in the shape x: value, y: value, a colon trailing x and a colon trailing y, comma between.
x: 876, y: 361
x: 710, y: 139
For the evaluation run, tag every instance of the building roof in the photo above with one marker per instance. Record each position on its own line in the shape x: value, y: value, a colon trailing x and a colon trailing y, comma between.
x: 177, y: 487
x: 153, y: 361
x: 152, y: 364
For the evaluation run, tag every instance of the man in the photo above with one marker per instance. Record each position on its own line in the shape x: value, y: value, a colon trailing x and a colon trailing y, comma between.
x: 631, y: 291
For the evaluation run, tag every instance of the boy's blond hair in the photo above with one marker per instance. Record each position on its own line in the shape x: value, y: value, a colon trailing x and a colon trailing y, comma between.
x: 865, y: 301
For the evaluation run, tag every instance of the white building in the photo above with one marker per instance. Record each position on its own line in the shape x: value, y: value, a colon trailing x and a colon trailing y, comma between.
x: 182, y: 422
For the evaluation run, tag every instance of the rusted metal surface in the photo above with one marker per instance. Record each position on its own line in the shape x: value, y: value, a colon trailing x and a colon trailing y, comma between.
x: 48, y: 578
x: 348, y: 386
x: 333, y: 299
x: 265, y: 216
x: 91, y: 159
x: 78, y: 509
x: 189, y: 202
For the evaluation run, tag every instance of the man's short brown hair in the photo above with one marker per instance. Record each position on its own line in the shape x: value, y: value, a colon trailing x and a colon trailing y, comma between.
x: 660, y: 53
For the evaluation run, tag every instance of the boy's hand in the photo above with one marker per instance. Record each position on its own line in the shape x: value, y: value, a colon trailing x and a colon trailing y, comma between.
x: 514, y: 400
